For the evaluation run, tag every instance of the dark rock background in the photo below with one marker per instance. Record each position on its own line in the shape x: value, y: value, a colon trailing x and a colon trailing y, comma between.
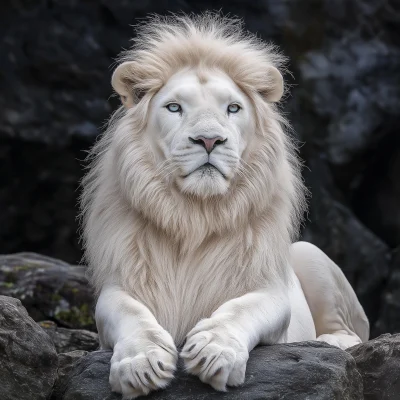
x: 56, y: 59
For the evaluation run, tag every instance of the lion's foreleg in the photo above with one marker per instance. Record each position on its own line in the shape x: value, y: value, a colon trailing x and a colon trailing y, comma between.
x: 145, y: 355
x: 217, y: 348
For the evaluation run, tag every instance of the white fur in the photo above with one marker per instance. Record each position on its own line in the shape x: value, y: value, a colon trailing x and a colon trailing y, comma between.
x: 180, y: 252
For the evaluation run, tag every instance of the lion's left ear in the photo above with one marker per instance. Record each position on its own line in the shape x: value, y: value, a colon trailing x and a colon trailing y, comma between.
x: 123, y: 81
x: 274, y: 86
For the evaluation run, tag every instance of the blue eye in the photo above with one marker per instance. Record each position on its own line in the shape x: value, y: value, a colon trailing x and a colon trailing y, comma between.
x: 173, y: 107
x: 233, y: 108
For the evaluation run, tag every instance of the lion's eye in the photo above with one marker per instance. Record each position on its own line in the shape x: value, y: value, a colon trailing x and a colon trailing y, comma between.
x: 233, y: 108
x: 173, y: 107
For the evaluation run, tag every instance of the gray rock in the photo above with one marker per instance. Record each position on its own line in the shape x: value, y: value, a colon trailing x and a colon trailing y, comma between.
x: 66, y: 363
x: 379, y: 364
x: 67, y: 340
x: 48, y: 288
x: 308, y: 370
x: 28, y: 359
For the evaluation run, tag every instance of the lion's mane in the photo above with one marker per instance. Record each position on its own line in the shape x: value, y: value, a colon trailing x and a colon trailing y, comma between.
x: 180, y: 255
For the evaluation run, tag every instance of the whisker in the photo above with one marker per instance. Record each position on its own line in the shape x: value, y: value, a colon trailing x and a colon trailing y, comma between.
x: 186, y: 155
x: 231, y: 157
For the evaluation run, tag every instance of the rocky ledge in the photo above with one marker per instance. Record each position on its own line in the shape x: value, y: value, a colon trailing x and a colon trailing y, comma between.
x: 49, y: 289
x: 31, y: 369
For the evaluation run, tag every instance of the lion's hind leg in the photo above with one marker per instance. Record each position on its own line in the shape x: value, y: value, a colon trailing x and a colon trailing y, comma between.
x: 338, y: 316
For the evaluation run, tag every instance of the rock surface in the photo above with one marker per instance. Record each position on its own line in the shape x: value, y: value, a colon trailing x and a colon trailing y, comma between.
x: 28, y: 359
x: 379, y: 364
x: 309, y: 370
x: 48, y: 288
x: 68, y: 340
x: 66, y: 363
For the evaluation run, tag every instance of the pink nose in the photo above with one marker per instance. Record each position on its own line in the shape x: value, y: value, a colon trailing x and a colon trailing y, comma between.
x: 208, y: 143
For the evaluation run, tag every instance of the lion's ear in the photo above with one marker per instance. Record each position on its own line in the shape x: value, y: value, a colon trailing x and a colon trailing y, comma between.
x: 123, y: 81
x: 274, y: 86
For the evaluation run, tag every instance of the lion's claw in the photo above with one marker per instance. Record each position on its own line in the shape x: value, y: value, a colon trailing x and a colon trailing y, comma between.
x: 216, y: 356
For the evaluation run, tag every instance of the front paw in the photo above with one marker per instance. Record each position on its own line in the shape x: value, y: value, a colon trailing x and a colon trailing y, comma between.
x: 215, y: 352
x: 142, y: 364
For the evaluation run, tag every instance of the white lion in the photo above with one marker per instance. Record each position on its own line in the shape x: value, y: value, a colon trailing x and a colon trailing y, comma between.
x: 191, y: 207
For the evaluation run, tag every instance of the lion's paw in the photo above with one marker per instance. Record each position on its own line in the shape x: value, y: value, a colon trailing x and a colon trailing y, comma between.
x: 141, y: 366
x: 343, y: 341
x: 216, y: 355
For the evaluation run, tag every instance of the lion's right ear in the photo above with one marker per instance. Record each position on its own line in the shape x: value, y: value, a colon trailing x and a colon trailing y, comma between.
x: 123, y: 81
x: 274, y: 85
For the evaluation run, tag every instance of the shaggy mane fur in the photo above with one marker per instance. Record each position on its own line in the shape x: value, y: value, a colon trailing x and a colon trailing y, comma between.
x: 165, y: 45
x: 180, y: 255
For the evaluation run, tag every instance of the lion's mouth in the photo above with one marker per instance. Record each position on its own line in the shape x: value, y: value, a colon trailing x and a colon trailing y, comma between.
x: 207, y: 168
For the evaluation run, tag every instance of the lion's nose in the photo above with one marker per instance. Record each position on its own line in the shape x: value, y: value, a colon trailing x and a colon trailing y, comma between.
x: 208, y: 143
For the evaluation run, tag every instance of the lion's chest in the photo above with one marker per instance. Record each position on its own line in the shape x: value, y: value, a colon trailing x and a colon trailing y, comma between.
x: 179, y: 294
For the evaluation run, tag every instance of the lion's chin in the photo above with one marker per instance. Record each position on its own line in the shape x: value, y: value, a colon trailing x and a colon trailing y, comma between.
x: 204, y: 184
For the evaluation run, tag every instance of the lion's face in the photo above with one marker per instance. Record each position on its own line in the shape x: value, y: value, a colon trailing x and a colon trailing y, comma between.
x: 200, y: 126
